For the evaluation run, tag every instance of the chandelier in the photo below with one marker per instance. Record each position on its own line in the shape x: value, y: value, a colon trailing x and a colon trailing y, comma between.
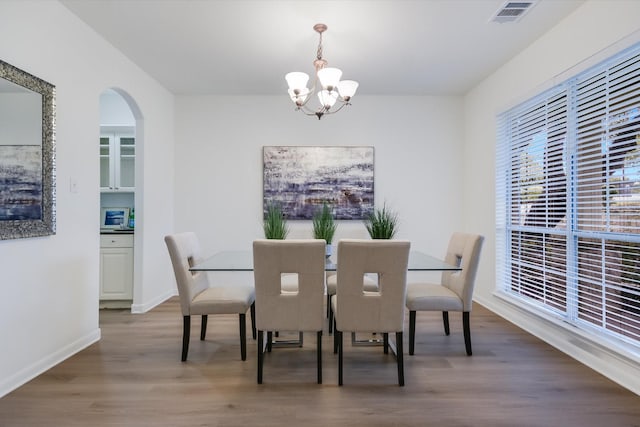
x: 331, y: 90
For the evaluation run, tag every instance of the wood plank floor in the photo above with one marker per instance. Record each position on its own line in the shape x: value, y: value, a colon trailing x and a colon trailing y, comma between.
x: 134, y: 377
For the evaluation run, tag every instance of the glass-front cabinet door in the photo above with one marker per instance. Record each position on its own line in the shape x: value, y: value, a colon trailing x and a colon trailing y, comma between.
x: 106, y: 150
x: 117, y: 160
x: 126, y: 162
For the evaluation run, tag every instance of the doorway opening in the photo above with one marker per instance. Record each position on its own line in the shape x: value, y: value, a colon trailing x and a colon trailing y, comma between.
x: 120, y: 195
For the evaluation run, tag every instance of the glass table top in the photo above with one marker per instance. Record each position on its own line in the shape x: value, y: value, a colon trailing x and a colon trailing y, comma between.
x: 243, y: 261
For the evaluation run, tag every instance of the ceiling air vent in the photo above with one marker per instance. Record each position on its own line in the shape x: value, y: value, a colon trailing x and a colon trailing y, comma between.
x: 512, y: 11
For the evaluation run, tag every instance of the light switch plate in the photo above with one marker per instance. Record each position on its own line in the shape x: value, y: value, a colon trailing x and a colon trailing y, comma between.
x: 73, y: 185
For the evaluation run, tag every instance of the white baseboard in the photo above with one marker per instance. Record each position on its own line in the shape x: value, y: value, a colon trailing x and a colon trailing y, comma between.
x: 618, y: 365
x: 143, y: 308
x: 30, y: 372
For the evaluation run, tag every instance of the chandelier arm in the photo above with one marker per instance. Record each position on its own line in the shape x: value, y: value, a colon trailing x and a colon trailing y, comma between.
x: 307, y: 111
x: 322, y: 109
x: 342, y: 104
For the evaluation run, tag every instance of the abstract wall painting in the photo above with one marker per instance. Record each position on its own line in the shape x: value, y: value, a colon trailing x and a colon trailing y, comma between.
x: 302, y: 178
x: 21, y: 182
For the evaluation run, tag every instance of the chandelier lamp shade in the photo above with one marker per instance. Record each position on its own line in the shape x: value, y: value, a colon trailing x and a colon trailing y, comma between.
x: 333, y: 94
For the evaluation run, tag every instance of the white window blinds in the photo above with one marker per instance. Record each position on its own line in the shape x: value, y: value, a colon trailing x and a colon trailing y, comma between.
x: 568, y: 200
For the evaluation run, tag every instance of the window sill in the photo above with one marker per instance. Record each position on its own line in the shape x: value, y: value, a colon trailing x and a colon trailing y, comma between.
x: 576, y: 336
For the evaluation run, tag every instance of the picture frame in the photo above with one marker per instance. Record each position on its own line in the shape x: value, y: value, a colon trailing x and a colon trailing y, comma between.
x: 301, y: 179
x: 114, y: 218
x: 27, y: 155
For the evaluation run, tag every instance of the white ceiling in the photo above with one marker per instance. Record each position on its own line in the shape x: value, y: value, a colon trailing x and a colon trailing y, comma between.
x: 245, y: 47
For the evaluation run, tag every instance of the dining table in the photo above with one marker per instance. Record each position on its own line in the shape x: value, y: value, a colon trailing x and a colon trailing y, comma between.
x: 242, y: 260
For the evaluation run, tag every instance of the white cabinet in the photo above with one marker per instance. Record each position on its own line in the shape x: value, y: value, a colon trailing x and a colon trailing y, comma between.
x: 117, y: 159
x: 116, y: 266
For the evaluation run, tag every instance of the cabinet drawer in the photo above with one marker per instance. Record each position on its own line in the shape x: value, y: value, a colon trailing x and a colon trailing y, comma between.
x: 116, y: 241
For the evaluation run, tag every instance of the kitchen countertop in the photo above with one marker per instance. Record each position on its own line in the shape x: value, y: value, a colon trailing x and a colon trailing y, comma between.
x: 116, y: 231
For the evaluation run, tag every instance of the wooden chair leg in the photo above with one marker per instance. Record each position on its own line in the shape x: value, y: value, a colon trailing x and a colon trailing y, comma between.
x: 243, y: 336
x: 328, y: 304
x: 412, y: 331
x: 335, y: 338
x: 186, y: 331
x: 399, y: 358
x: 385, y: 342
x: 269, y: 341
x: 339, y: 340
x: 319, y: 355
x: 330, y: 319
x: 203, y: 327
x: 253, y: 319
x: 445, y: 321
x: 260, y: 355
x: 466, y: 327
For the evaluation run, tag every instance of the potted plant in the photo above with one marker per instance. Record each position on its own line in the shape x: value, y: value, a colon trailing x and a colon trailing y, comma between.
x: 382, y: 223
x: 275, y: 225
x: 324, y: 227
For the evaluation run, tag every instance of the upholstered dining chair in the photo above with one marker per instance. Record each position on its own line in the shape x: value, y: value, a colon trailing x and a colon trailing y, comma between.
x: 281, y: 306
x: 369, y: 284
x: 455, y: 290
x: 358, y: 310
x: 198, y: 296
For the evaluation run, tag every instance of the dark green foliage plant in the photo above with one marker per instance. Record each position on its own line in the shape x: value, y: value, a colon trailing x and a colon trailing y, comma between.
x: 382, y: 223
x: 275, y: 225
x: 324, y: 227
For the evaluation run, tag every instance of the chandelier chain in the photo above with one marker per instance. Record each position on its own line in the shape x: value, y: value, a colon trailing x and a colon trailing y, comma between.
x: 319, y: 53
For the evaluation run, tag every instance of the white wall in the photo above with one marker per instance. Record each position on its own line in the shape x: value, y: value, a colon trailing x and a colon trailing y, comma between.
x: 581, y: 39
x: 49, y: 302
x: 219, y: 140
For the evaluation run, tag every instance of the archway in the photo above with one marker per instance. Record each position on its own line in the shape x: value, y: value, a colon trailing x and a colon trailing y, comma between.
x: 121, y: 184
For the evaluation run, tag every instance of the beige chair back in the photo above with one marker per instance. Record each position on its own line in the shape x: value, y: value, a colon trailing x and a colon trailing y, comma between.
x: 184, y: 250
x: 364, y: 311
x: 463, y: 250
x: 278, y: 309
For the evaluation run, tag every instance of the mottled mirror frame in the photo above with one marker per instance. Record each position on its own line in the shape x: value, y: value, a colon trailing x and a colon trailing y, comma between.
x: 19, y: 229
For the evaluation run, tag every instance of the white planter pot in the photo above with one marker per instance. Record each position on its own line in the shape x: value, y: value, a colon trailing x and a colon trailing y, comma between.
x: 329, y: 250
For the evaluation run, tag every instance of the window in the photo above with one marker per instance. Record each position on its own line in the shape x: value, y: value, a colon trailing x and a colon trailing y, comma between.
x: 568, y: 200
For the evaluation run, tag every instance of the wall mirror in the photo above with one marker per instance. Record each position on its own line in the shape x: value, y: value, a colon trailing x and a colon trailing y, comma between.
x: 27, y: 155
